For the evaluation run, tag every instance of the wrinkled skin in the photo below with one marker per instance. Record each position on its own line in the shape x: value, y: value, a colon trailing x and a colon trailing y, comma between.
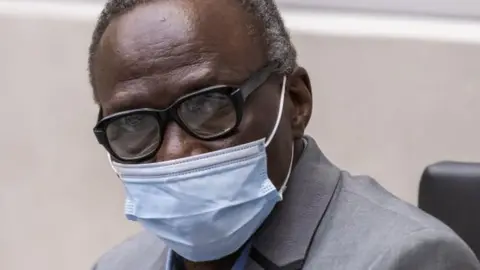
x: 159, y: 51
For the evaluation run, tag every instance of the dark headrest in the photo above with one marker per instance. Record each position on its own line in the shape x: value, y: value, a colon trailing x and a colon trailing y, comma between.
x: 450, y: 191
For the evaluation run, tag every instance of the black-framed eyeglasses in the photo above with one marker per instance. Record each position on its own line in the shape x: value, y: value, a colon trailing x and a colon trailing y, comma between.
x: 208, y: 114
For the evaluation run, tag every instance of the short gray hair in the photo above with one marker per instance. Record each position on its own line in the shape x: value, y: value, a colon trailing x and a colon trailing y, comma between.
x: 279, y: 46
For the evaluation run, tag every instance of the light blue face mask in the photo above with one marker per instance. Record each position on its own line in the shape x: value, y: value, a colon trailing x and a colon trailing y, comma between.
x: 204, y: 207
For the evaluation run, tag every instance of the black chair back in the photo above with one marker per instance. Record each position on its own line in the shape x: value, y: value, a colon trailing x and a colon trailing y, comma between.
x: 450, y: 191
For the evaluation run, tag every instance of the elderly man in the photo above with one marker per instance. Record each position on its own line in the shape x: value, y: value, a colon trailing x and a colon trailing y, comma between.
x: 203, y: 109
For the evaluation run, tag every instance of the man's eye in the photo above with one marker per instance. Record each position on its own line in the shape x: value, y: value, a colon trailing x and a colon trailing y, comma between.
x: 133, y: 120
x: 197, y: 104
x: 194, y: 108
x: 207, y: 103
x: 131, y: 123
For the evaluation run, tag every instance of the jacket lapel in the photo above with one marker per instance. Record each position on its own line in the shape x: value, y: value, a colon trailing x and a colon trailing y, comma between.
x: 284, y: 239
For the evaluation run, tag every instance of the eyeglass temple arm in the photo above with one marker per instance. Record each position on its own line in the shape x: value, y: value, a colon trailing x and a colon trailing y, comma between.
x: 257, y: 80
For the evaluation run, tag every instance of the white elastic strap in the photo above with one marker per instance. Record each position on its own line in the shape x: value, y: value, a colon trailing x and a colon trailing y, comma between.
x: 285, y: 182
x: 111, y: 163
x: 279, y: 114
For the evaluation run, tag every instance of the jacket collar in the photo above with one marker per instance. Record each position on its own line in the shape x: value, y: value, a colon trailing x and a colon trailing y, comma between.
x: 284, y: 239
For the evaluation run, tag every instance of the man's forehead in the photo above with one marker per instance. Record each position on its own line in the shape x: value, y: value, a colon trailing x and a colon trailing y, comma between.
x: 177, y: 22
x: 145, y: 29
x: 162, y: 39
x: 209, y: 26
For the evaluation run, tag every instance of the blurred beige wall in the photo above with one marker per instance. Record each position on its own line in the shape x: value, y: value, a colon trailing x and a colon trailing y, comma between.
x: 384, y: 107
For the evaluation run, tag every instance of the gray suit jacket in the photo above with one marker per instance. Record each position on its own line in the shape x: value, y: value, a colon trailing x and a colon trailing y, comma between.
x: 333, y: 221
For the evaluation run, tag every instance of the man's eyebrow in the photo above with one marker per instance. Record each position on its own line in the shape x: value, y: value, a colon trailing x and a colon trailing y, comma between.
x: 121, y: 103
x: 130, y: 94
x: 201, y: 80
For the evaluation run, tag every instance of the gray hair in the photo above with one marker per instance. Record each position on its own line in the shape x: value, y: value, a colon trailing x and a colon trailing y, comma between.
x: 279, y: 46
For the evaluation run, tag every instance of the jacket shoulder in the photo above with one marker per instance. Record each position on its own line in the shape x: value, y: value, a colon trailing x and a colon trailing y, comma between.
x: 368, y: 194
x: 428, y: 249
x: 142, y: 251
x: 365, y: 220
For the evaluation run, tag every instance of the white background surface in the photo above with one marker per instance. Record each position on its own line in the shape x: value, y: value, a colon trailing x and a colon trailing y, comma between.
x: 457, y: 8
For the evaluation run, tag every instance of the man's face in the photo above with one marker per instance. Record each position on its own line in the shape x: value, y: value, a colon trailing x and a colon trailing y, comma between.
x: 161, y: 51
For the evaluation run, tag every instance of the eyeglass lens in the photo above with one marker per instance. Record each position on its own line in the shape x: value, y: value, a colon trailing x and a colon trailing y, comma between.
x: 208, y: 115
x: 134, y: 135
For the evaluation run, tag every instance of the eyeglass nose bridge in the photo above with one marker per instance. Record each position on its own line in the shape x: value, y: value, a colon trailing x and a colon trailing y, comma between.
x: 166, y: 116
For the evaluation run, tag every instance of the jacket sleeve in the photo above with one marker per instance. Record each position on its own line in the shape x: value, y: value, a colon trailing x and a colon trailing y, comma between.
x: 428, y: 250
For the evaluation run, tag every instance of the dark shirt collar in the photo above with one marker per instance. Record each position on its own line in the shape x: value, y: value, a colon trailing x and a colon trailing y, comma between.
x: 285, y: 237
x: 175, y: 262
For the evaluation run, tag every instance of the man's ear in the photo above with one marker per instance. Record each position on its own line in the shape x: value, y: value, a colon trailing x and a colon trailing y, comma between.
x: 300, y: 93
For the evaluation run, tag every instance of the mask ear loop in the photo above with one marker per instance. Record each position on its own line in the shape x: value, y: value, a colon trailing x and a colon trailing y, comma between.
x: 274, y: 131
x: 111, y: 164
x: 285, y: 182
x: 279, y: 114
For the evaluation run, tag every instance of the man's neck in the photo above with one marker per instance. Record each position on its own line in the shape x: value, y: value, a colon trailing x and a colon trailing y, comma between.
x: 221, y: 264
